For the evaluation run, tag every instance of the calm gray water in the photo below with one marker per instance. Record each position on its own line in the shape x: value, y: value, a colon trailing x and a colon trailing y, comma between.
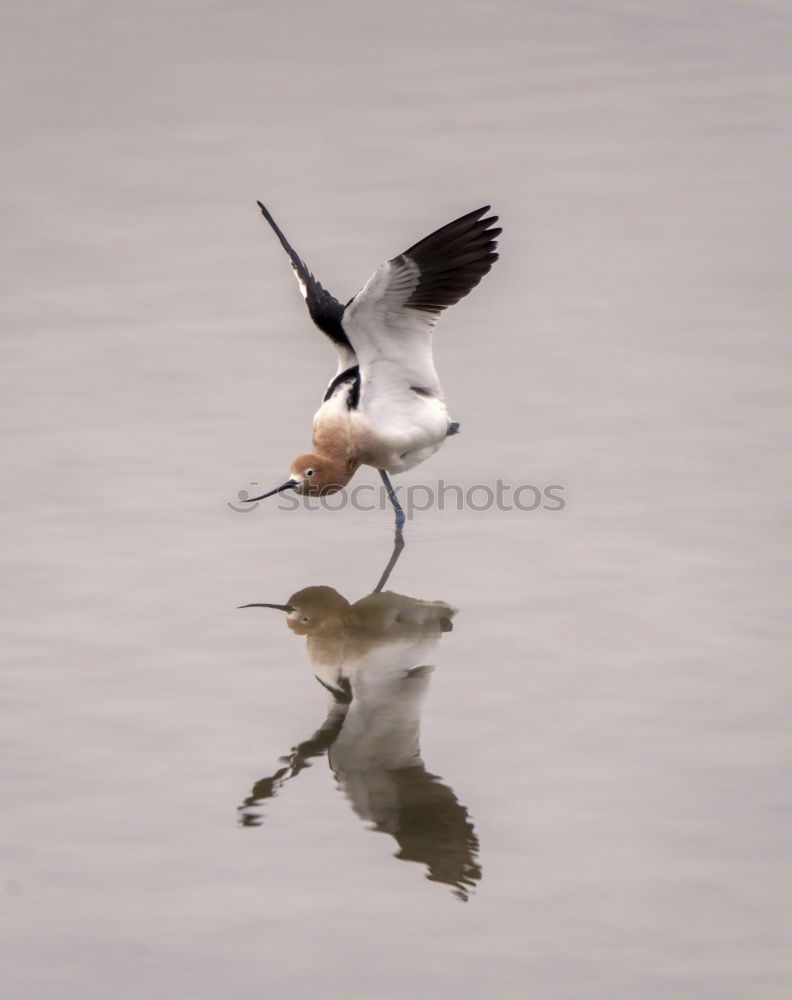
x: 601, y: 805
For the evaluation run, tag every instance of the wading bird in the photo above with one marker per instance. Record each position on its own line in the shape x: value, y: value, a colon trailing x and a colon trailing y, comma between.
x: 385, y: 407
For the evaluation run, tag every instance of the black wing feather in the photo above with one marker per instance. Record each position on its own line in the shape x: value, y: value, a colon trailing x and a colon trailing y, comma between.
x: 325, y: 309
x: 452, y: 260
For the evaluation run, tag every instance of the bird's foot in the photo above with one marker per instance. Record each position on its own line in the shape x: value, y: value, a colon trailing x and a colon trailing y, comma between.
x: 453, y: 428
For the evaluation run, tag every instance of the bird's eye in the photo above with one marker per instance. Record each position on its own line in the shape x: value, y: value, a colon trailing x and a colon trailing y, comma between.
x: 305, y: 620
x: 309, y: 472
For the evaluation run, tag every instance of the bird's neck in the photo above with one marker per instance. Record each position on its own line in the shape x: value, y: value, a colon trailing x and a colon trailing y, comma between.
x: 333, y: 441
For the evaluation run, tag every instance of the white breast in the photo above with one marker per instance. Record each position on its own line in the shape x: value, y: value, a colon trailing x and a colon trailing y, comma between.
x: 400, y: 433
x: 394, y: 431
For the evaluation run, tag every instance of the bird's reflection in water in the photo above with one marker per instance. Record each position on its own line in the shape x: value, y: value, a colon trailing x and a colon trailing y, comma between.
x: 374, y: 659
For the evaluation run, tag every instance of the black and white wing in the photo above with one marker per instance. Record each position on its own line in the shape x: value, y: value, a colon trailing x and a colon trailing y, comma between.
x: 325, y: 309
x: 389, y: 323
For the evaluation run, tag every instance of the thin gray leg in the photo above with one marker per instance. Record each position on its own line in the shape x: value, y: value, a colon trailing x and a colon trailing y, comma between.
x: 400, y: 517
x: 398, y: 545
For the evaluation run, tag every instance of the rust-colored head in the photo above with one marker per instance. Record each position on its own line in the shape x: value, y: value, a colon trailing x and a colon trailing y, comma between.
x: 315, y: 475
x: 312, y: 610
x: 318, y: 475
x: 315, y: 609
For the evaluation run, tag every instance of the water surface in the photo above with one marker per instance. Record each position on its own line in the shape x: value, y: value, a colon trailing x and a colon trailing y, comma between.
x: 600, y: 756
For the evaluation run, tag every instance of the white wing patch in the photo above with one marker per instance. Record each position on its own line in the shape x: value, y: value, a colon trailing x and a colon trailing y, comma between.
x: 393, y: 342
x: 301, y: 283
x: 389, y: 324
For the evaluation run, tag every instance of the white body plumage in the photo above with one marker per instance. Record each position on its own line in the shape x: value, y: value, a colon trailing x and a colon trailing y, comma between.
x: 385, y: 406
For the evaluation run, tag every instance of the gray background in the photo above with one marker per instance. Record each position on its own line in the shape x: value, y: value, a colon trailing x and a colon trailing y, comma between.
x: 612, y: 704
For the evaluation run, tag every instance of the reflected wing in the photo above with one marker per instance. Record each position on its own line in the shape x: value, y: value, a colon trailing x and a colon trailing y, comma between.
x: 435, y: 829
x: 390, y: 321
x: 325, y: 309
x: 269, y: 786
